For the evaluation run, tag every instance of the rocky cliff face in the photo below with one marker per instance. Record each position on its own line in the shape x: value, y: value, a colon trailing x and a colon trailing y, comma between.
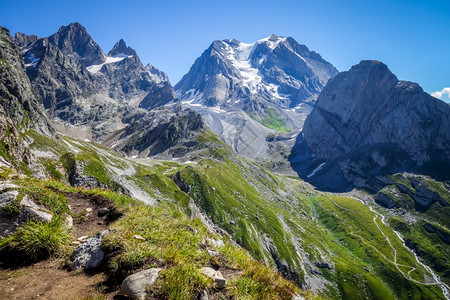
x: 20, y: 110
x: 367, y: 123
x: 17, y: 98
x: 23, y: 41
x: 59, y: 78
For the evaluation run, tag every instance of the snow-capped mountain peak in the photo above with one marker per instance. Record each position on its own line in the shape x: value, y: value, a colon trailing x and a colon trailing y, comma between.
x: 274, y: 69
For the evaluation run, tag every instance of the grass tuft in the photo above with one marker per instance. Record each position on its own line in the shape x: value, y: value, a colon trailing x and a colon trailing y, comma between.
x: 36, y: 239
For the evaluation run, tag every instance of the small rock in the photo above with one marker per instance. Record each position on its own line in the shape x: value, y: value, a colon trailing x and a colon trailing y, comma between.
x: 139, y: 237
x: 89, y: 255
x: 69, y: 221
x: 215, y: 243
x: 82, y: 238
x: 27, y: 202
x: 135, y: 286
x: 297, y: 297
x: 219, y: 281
x: 76, y: 243
x: 213, y: 253
x: 6, y: 186
x: 204, y: 295
x: 232, y: 222
x: 88, y: 211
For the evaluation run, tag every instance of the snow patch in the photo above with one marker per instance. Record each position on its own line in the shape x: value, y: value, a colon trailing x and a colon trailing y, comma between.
x: 33, y: 61
x: 316, y: 169
x: 109, y: 60
x: 271, y: 42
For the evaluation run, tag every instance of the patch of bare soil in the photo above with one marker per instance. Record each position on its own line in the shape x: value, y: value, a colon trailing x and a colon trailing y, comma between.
x: 47, y: 280
x: 92, y: 214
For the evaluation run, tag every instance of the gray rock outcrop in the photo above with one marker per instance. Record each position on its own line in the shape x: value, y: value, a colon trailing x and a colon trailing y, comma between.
x: 135, y: 286
x: 443, y: 235
x: 385, y: 198
x: 423, y: 190
x: 170, y: 131
x: 78, y: 178
x: 8, y: 197
x: 367, y: 123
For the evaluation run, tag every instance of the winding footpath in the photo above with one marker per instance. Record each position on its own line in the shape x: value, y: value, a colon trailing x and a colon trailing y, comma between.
x: 444, y: 287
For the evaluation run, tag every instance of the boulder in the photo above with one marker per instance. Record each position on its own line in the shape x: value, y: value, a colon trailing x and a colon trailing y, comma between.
x: 32, y: 211
x: 8, y: 197
x: 219, y: 281
x: 78, y: 178
x: 103, y: 211
x: 383, y: 198
x: 135, y: 286
x: 89, y: 254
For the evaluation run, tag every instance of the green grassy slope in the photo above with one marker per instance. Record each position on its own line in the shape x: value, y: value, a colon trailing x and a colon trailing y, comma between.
x: 334, y: 245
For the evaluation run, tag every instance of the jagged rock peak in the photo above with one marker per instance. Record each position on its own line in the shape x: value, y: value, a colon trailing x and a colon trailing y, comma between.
x: 121, y: 48
x: 74, y: 39
x: 23, y: 40
x: 156, y: 74
x: 273, y: 37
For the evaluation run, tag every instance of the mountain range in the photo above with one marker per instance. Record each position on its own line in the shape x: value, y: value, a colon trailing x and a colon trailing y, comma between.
x: 262, y: 157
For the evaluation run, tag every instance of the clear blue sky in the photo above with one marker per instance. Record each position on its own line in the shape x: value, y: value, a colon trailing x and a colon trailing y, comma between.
x: 411, y: 37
